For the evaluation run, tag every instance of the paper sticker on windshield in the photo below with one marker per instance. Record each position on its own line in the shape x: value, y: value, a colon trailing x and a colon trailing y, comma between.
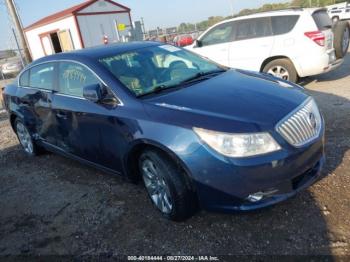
x: 170, y: 48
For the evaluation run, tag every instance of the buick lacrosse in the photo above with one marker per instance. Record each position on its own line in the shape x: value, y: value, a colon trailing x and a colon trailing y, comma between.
x: 197, y: 134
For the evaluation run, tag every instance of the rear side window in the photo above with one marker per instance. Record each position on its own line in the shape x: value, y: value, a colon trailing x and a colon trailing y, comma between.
x: 73, y: 78
x: 42, y: 76
x: 219, y: 34
x: 322, y: 20
x: 24, y: 79
x: 283, y: 24
x: 253, y: 28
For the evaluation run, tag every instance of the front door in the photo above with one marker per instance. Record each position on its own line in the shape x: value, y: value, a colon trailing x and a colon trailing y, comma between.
x: 85, y: 129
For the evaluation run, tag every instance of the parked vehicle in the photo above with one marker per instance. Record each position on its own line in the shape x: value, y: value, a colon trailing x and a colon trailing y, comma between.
x: 183, y: 40
x: 197, y: 134
x: 339, y: 11
x: 288, y: 43
x: 11, y: 67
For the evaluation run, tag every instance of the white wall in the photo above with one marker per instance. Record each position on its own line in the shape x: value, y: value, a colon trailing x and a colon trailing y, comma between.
x: 93, y: 27
x: 34, y: 39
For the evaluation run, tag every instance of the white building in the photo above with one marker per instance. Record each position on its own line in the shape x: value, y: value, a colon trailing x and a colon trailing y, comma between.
x: 85, y: 25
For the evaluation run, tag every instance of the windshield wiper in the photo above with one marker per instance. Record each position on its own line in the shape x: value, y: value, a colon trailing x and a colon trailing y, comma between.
x: 158, y: 89
x: 197, y: 77
x: 201, y: 76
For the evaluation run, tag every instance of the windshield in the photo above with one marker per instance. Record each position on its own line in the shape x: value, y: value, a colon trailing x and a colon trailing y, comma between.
x: 154, y: 69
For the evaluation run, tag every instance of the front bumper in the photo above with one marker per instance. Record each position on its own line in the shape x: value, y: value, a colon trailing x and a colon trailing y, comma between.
x: 225, y: 184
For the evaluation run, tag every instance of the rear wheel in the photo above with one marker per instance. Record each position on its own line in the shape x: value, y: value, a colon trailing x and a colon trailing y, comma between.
x: 282, y: 68
x: 166, y: 185
x: 341, y: 38
x: 25, y: 138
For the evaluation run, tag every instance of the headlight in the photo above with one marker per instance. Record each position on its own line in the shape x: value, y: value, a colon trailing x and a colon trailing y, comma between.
x: 238, y: 145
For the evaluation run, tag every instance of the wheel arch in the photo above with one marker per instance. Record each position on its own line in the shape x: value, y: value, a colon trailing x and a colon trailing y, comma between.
x: 272, y: 58
x: 13, y: 118
x: 131, y: 166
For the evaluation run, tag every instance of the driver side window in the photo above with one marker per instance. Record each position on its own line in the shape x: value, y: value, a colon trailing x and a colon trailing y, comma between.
x: 222, y: 33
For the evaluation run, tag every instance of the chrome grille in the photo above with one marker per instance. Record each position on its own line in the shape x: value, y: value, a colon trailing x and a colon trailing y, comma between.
x: 303, y: 125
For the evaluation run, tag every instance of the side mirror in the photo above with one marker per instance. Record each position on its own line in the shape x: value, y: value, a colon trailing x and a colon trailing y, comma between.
x: 93, y: 93
x: 198, y: 43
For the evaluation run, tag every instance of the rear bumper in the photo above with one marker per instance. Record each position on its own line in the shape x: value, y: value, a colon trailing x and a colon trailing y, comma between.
x: 317, y: 64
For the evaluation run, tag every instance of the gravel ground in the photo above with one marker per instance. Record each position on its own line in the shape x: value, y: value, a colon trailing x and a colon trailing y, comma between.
x: 51, y: 205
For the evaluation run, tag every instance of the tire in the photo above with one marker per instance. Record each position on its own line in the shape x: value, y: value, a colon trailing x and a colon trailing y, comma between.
x: 25, y: 139
x: 169, y: 185
x: 341, y: 32
x: 282, y: 68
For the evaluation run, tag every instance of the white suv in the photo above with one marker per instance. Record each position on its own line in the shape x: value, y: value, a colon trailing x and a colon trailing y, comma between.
x: 288, y: 43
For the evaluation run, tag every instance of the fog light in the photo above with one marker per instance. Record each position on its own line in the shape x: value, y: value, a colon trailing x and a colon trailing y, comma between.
x: 258, y: 196
x: 255, y: 197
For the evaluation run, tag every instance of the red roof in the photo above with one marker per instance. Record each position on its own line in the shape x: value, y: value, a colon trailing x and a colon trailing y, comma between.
x: 67, y: 12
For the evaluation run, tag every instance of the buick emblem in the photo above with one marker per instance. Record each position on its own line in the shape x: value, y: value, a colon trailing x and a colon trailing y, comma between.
x: 312, y: 120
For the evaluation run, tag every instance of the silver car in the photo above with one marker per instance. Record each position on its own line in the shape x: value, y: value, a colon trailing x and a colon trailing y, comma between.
x: 11, y: 68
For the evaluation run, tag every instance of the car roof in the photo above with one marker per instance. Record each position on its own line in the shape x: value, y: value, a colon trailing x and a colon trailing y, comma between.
x: 286, y: 11
x: 98, y: 51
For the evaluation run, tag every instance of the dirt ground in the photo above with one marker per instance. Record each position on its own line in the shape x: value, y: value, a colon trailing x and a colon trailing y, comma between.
x: 51, y: 205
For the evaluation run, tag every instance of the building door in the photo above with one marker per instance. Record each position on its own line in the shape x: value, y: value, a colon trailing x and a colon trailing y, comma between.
x: 56, y: 42
x: 46, y: 44
x: 65, y: 40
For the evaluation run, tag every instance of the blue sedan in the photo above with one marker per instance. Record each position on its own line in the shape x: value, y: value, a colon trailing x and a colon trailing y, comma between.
x: 197, y: 134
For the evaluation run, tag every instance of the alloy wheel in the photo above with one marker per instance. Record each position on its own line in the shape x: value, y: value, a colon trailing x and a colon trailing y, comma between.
x: 156, y: 186
x: 279, y: 71
x: 24, y: 138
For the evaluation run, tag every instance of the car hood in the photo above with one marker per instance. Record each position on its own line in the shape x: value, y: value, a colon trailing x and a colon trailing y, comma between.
x: 235, y: 101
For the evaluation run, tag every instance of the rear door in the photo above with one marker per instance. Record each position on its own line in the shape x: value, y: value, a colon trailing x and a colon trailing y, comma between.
x: 35, y: 99
x: 215, y: 44
x: 253, y: 42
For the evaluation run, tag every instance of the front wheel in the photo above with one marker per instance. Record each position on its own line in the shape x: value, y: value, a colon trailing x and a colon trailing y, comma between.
x: 282, y: 68
x: 166, y: 185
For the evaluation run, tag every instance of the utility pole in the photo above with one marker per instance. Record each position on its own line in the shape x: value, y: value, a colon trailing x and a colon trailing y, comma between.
x: 18, y: 48
x: 143, y: 28
x: 13, y: 13
x: 231, y: 7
